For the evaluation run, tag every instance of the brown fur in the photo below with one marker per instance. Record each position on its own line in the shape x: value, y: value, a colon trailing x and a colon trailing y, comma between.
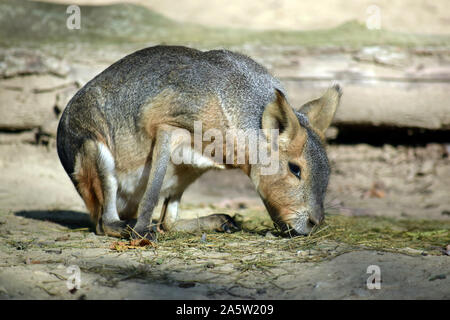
x: 213, y: 116
x: 88, y: 180
x: 275, y: 188
x: 158, y: 112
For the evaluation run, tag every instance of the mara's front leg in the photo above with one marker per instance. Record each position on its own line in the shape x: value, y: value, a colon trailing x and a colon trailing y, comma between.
x: 160, y: 158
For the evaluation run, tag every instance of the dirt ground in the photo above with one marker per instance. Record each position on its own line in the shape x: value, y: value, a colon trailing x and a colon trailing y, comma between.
x: 45, y: 230
x: 387, y: 206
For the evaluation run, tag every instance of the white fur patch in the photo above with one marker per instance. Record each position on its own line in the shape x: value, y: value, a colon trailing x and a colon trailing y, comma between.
x: 106, y: 165
x: 106, y: 157
x: 172, y: 210
x: 130, y: 184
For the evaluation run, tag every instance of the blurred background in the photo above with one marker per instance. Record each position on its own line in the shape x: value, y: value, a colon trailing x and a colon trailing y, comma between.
x: 389, y: 144
x: 417, y: 16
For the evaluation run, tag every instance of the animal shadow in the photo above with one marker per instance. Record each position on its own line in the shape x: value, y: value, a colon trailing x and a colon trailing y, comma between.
x: 67, y: 218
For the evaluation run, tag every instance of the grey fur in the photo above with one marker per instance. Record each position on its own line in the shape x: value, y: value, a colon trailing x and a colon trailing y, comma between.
x: 320, y: 168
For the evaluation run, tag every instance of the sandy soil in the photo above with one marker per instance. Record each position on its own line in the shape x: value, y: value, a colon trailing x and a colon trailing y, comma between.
x: 44, y: 230
x: 417, y: 16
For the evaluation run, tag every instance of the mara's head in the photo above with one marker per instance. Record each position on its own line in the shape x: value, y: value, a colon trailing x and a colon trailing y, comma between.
x: 294, y: 193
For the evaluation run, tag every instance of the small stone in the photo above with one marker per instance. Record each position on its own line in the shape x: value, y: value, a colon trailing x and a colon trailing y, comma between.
x: 63, y: 238
x: 427, y: 168
x: 269, y: 235
x: 91, y: 236
x: 302, y: 253
x: 186, y: 285
x: 3, y: 291
x: 447, y: 150
x: 412, y: 251
x: 249, y: 258
x: 360, y: 293
x: 226, y: 268
x: 322, y: 285
x: 73, y: 290
x: 55, y: 251
x: 41, y: 273
x: 242, y: 205
x: 438, y: 277
x: 260, y: 291
x: 44, y: 244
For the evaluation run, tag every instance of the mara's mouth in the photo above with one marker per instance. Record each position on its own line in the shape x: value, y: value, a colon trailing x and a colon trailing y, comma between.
x: 294, y: 230
x: 298, y: 225
x: 292, y: 223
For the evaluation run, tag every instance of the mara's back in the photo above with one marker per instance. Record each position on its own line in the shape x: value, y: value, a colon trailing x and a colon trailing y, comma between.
x: 111, y: 105
x: 239, y: 82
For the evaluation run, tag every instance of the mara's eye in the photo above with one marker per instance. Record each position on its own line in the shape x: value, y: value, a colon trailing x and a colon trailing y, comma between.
x: 295, y: 169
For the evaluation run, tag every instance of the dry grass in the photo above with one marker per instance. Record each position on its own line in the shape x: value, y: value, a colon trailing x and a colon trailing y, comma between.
x: 255, y: 258
x: 253, y: 248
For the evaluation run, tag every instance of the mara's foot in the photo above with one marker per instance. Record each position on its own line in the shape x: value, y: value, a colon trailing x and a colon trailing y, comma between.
x: 119, y: 229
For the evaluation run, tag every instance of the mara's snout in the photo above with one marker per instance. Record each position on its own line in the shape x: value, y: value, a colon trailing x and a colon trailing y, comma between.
x: 295, y: 222
x: 304, y: 223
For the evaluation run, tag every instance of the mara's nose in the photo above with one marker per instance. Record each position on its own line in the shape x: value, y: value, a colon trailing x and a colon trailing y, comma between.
x: 316, y: 218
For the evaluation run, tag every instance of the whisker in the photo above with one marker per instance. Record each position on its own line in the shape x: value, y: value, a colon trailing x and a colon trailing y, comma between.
x: 333, y: 207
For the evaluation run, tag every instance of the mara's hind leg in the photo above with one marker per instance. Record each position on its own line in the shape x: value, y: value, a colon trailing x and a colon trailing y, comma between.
x: 97, y: 184
x: 88, y: 182
x: 214, y: 222
x: 169, y: 213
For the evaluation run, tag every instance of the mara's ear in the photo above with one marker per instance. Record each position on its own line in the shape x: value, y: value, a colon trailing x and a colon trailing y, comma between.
x: 280, y: 115
x: 320, y: 112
